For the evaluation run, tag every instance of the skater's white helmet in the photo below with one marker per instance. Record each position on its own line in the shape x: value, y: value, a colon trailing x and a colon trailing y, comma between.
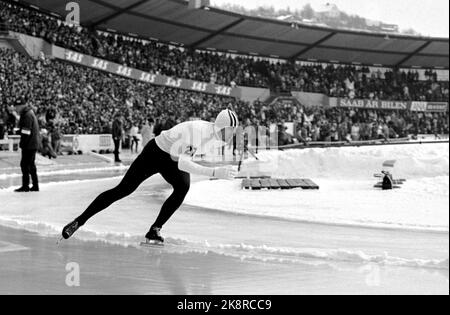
x: 226, y: 118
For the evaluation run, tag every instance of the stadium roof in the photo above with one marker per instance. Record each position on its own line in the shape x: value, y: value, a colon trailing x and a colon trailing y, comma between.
x: 171, y: 21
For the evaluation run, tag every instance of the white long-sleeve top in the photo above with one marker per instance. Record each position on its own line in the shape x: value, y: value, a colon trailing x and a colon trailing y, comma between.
x: 185, y: 140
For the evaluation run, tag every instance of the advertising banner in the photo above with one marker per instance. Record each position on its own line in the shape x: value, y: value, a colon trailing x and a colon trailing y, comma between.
x: 372, y: 104
x: 432, y: 107
x: 151, y: 78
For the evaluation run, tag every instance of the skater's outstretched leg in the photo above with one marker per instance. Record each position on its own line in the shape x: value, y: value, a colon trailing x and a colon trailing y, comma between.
x: 180, y: 182
x: 141, y: 169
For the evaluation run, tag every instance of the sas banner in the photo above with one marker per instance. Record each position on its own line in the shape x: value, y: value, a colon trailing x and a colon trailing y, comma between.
x: 151, y: 78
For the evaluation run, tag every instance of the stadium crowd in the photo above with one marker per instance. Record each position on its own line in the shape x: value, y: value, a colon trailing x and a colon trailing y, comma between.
x: 77, y: 100
x: 152, y: 56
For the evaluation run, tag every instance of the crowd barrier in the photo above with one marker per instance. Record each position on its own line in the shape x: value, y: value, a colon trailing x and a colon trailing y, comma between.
x: 8, y: 143
x: 88, y: 143
x: 428, y: 139
x: 105, y: 143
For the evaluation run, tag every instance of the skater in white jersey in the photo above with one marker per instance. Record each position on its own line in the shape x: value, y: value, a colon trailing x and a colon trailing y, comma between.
x: 171, y: 155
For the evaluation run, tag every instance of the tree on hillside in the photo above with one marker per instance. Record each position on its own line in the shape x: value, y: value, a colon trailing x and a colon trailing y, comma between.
x: 410, y: 31
x: 308, y: 12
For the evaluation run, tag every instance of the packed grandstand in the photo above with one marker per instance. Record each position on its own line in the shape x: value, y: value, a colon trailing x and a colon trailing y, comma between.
x: 81, y: 100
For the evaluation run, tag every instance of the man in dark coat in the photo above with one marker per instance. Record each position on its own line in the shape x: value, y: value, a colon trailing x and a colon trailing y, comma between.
x: 159, y: 126
x: 2, y: 126
x: 29, y: 143
x: 117, y: 134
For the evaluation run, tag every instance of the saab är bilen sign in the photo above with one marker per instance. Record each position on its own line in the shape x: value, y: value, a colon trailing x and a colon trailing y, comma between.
x: 372, y: 104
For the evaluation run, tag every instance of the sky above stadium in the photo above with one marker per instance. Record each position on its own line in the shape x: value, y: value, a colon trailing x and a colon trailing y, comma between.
x: 430, y: 18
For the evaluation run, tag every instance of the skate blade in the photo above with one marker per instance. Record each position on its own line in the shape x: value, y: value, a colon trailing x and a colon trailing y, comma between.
x: 149, y: 243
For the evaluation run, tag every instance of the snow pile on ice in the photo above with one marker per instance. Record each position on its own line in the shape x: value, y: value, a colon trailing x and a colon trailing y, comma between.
x: 346, y: 195
x: 426, y: 160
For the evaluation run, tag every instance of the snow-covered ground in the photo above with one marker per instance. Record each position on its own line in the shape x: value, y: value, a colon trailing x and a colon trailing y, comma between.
x: 346, y: 195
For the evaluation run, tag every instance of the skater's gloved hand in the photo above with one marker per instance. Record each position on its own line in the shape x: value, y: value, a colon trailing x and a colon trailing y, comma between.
x: 225, y: 172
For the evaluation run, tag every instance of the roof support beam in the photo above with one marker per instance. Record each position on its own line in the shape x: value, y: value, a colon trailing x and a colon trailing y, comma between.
x: 244, y: 36
x: 151, y: 18
x: 117, y: 13
x: 216, y: 33
x: 320, y: 41
x: 415, y: 52
x: 208, y: 33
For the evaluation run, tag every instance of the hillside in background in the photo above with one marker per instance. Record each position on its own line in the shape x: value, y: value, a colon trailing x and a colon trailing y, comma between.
x: 328, y: 15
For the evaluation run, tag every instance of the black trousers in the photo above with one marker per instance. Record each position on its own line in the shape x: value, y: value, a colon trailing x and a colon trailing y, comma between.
x: 28, y: 166
x: 116, y: 149
x: 151, y: 161
x: 134, y: 142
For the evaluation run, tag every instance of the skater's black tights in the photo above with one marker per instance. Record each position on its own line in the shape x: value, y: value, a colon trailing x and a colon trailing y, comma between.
x: 151, y: 161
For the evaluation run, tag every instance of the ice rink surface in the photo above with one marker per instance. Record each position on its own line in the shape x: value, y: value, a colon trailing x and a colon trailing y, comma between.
x: 345, y: 238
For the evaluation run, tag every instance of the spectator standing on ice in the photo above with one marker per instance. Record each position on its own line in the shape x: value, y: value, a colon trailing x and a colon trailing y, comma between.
x: 170, y: 122
x: 2, y: 126
x: 12, y: 117
x: 159, y: 126
x: 117, y: 134
x: 147, y: 132
x: 29, y: 143
x: 56, y: 139
x: 134, y: 131
x: 46, y: 148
